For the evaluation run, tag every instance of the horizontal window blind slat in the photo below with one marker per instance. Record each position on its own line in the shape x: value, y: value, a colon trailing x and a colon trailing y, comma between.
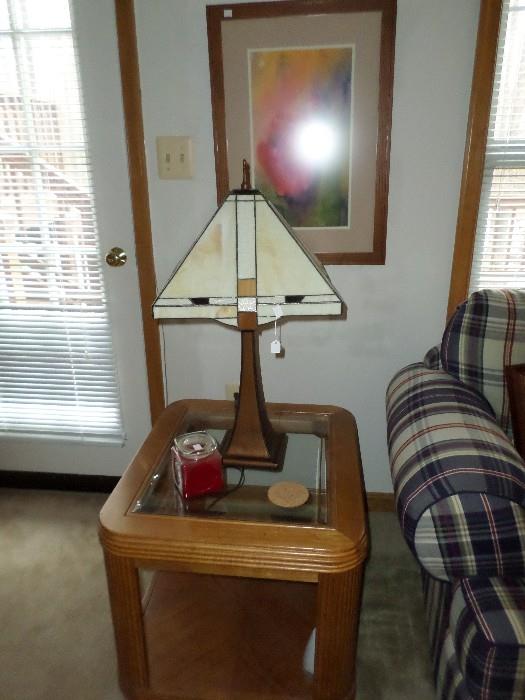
x: 57, y: 436
x: 90, y: 375
x: 58, y: 375
x: 54, y: 396
x: 58, y: 342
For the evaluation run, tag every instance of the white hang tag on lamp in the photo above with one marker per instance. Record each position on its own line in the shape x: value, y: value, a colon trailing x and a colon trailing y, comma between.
x: 275, y: 345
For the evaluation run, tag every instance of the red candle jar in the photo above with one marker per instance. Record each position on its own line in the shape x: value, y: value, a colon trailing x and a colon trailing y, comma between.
x: 197, y: 464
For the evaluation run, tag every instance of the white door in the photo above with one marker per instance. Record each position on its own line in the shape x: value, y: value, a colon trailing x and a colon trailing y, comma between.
x: 94, y: 23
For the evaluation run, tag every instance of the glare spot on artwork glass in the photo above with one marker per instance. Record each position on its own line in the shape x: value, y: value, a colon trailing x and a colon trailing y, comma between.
x: 315, y: 143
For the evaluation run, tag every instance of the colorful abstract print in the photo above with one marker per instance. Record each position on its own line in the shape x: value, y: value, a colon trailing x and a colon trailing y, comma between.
x: 301, y: 132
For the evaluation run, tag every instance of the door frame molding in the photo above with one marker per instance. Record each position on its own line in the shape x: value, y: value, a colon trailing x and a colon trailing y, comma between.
x: 138, y: 179
x: 476, y: 143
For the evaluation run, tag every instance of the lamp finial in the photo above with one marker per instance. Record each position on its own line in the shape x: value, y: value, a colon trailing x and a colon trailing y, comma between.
x: 246, y: 179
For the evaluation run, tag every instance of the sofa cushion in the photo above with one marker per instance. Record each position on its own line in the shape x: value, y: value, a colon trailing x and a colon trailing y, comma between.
x: 484, y: 335
x: 444, y: 441
x: 487, y: 624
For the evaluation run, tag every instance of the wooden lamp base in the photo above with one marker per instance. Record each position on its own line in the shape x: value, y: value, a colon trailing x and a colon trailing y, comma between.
x: 274, y: 458
x: 252, y: 442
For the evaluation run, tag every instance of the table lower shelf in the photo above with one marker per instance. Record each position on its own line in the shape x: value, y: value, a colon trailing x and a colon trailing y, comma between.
x: 222, y: 638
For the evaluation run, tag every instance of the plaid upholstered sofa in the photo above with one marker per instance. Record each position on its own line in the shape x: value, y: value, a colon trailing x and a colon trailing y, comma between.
x: 460, y: 496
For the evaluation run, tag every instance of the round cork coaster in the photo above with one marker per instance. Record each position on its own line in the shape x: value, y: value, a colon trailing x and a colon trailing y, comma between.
x: 288, y: 494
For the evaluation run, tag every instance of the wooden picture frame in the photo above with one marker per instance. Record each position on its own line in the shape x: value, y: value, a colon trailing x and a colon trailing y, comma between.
x: 348, y: 46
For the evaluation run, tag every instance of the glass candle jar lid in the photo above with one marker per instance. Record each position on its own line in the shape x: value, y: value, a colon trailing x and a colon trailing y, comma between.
x: 195, y: 445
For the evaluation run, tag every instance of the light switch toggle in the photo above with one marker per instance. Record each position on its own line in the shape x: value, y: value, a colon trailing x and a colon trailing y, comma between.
x: 175, y: 157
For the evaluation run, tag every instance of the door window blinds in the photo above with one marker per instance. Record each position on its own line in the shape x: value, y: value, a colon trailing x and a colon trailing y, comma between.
x: 57, y: 369
x: 499, y: 250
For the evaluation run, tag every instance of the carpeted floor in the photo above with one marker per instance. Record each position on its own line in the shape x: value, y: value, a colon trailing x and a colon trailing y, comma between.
x: 56, y: 641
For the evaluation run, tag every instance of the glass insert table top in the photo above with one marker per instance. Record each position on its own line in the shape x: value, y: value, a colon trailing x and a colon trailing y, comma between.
x: 304, y: 463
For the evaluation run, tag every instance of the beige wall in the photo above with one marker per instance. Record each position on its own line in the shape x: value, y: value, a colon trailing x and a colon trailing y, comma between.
x: 396, y: 311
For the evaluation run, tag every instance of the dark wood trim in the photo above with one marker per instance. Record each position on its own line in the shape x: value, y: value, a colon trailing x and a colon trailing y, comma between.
x: 138, y: 176
x: 218, y: 107
x: 380, y: 502
x: 376, y: 257
x: 98, y: 483
x: 253, y: 11
x: 384, y: 130
x: 282, y: 8
x: 474, y: 159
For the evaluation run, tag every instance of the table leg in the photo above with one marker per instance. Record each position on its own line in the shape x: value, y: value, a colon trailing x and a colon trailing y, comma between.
x: 338, y: 605
x: 128, y: 625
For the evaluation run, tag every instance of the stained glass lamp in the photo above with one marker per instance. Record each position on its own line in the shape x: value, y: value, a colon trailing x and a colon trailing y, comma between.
x: 246, y: 263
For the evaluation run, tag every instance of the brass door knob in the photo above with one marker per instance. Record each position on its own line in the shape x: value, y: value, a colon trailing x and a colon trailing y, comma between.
x: 116, y: 257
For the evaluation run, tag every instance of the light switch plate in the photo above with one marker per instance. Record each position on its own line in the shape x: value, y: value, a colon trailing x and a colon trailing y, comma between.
x: 175, y: 157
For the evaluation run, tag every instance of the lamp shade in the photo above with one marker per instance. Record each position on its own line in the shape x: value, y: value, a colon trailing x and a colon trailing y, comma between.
x: 247, y: 259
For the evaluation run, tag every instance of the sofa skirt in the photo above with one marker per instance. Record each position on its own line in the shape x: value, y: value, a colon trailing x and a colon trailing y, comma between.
x: 477, y: 637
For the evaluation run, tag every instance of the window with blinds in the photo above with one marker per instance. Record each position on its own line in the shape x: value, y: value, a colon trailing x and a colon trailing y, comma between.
x: 499, y: 251
x: 57, y: 370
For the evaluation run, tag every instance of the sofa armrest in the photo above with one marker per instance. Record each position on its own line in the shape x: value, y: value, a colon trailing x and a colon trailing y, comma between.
x: 472, y: 534
x: 458, y: 481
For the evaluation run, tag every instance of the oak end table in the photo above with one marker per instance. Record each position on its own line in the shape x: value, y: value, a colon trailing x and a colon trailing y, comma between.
x: 216, y: 598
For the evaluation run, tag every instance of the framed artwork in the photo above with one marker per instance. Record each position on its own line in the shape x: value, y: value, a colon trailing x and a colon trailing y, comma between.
x: 302, y: 89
